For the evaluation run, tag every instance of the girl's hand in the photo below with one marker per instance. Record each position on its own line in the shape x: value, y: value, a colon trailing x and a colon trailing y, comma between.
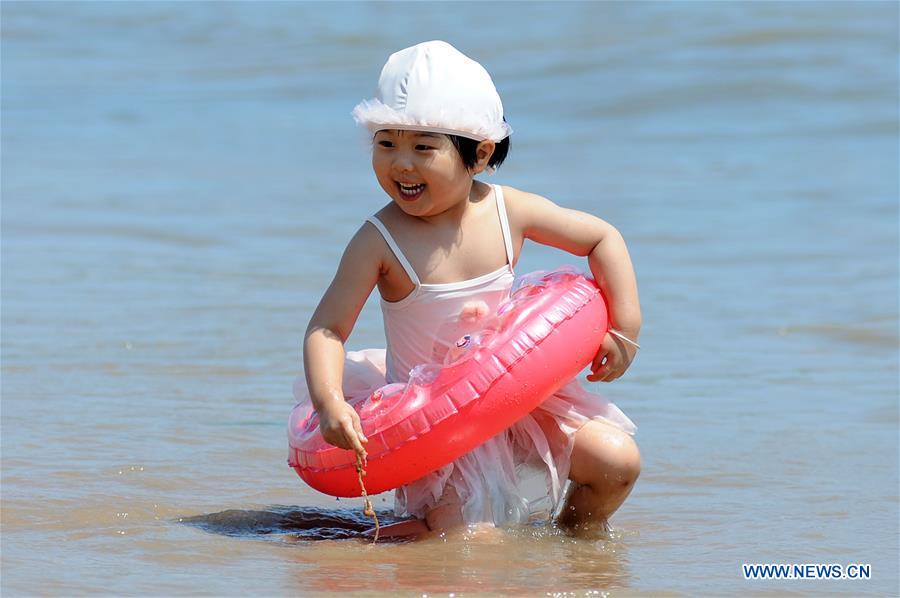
x: 613, y: 358
x: 340, y: 426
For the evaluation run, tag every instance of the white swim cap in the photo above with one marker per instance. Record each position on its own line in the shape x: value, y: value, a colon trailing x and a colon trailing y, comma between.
x: 432, y: 86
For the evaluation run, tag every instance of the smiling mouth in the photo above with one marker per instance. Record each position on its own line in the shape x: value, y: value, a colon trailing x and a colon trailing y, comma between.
x: 410, y: 192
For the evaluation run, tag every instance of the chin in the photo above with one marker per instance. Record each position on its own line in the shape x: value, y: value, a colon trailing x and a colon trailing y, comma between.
x: 415, y: 209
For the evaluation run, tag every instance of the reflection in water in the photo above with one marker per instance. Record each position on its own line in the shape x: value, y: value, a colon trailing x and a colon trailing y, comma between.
x: 474, y: 559
x: 162, y: 286
x: 526, y: 560
x: 289, y: 523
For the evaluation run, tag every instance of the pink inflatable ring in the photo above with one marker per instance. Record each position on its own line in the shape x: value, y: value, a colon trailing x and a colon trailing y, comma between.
x: 542, y: 337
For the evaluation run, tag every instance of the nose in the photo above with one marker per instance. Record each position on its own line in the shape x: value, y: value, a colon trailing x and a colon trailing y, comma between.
x: 402, y: 162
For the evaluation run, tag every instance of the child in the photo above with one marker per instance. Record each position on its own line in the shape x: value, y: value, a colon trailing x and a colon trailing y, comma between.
x: 441, y: 253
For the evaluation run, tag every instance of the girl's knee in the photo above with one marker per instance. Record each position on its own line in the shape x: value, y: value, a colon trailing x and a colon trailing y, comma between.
x: 605, y: 456
x: 622, y: 463
x: 447, y: 513
x: 629, y: 461
x: 444, y: 517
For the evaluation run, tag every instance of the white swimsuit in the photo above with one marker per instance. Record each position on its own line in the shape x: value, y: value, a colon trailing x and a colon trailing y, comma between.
x: 421, y: 328
x: 424, y: 325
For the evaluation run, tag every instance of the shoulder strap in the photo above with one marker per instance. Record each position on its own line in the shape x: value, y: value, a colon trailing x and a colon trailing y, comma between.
x: 407, y: 267
x: 504, y: 224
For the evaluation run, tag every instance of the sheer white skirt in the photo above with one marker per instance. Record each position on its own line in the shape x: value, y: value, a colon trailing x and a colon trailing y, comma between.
x: 489, y: 483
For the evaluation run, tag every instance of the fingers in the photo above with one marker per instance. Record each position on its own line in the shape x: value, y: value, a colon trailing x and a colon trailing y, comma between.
x: 357, y: 426
x: 354, y: 435
x: 611, y: 361
x: 345, y: 431
x: 598, y: 367
x: 605, y: 368
x: 354, y: 442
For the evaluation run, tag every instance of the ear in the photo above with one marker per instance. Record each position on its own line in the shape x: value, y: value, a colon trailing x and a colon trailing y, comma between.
x: 483, y: 154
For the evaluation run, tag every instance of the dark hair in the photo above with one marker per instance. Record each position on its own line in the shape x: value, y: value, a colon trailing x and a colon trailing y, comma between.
x: 467, y: 149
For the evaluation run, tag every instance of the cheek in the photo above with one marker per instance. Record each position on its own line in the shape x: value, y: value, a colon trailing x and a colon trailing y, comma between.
x: 381, y: 168
x: 449, y: 170
x: 456, y: 181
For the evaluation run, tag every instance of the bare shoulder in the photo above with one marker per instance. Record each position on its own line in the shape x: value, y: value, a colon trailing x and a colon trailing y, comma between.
x: 525, y: 208
x: 368, y: 246
x: 519, y: 201
x: 391, y: 215
x: 541, y: 220
x: 517, y: 198
x: 356, y: 276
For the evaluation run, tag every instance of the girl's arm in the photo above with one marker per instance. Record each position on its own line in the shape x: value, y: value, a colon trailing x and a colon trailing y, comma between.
x: 328, y: 330
x: 583, y: 234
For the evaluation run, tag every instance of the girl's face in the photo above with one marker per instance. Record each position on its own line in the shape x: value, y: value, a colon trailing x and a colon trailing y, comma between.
x: 421, y: 172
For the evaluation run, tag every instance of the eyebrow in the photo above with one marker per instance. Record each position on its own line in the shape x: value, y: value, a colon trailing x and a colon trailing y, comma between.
x: 413, y: 133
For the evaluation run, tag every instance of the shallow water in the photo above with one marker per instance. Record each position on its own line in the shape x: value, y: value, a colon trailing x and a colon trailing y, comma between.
x: 178, y: 183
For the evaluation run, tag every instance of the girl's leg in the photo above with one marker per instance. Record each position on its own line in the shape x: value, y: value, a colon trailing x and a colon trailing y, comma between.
x: 401, y: 529
x: 605, y: 464
x: 447, y: 514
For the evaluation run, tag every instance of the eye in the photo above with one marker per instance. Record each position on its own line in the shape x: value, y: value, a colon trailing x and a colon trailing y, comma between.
x: 422, y: 147
x: 385, y: 143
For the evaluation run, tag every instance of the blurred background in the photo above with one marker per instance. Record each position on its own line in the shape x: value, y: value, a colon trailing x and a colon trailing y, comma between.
x: 179, y: 181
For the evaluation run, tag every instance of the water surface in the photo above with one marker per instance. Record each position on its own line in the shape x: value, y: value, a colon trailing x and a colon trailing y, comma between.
x: 179, y: 181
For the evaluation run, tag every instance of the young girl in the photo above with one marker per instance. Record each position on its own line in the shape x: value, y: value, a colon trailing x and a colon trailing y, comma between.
x: 441, y: 253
